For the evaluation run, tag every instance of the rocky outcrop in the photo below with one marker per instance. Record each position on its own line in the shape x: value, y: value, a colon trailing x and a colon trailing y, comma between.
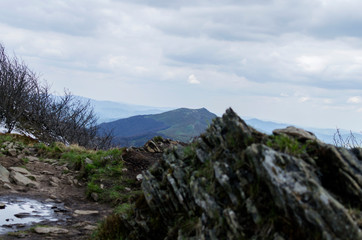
x: 236, y: 183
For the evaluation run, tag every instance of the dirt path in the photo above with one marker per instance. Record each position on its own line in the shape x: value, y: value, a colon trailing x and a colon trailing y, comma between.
x: 53, y: 184
x: 27, y: 177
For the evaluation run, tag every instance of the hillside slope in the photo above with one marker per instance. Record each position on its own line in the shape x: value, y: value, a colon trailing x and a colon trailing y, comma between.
x: 181, y: 124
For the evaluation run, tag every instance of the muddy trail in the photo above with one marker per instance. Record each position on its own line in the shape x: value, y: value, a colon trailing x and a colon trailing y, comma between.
x: 42, y: 198
x: 72, y: 214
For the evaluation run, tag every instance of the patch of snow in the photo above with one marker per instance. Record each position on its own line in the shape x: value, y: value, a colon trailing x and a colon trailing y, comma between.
x: 3, y: 129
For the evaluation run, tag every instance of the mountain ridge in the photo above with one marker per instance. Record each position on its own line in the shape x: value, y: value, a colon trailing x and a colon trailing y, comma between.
x: 180, y: 124
x: 109, y: 111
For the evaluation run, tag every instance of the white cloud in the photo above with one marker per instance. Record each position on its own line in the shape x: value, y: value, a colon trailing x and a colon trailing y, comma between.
x: 243, y: 49
x: 193, y: 80
x: 303, y: 99
x: 354, y: 100
x: 312, y: 63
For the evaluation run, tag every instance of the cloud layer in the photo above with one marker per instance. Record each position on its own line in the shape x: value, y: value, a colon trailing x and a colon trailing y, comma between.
x: 297, y: 61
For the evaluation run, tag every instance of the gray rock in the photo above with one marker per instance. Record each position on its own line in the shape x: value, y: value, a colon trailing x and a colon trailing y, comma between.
x: 49, y: 160
x: 152, y: 147
x: 88, y: 161
x: 95, y: 196
x: 296, y: 133
x: 50, y: 230
x: 86, y: 212
x: 32, y: 158
x: 22, y: 180
x: 12, y: 152
x: 7, y: 186
x: 47, y: 173
x: 22, y: 215
x: 4, y: 174
x: 294, y: 186
x: 228, y: 184
x: 54, y: 179
x: 20, y: 170
x: 53, y: 184
x: 90, y: 227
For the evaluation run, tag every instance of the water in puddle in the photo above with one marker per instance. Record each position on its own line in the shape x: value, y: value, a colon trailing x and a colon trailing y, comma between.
x: 21, y: 212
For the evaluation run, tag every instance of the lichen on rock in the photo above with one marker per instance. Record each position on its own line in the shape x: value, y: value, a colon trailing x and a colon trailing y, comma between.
x: 234, y: 182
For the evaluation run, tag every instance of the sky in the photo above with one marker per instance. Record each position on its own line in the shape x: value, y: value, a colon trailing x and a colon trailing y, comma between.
x: 289, y: 61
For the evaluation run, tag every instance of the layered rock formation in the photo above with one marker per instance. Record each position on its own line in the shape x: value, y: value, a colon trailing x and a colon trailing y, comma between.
x: 236, y: 183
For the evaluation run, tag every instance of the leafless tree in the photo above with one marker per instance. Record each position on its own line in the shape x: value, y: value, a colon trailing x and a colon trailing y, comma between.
x: 348, y: 142
x: 31, y: 108
x: 16, y: 84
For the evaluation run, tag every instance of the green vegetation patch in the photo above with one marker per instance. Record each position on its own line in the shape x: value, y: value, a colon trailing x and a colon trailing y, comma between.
x: 286, y: 144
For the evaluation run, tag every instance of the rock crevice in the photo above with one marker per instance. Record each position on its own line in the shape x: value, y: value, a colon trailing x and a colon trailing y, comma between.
x: 234, y: 182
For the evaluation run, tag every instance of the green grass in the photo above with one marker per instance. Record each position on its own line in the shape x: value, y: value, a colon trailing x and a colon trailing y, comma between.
x: 110, y: 229
x: 104, y: 174
x: 6, y: 138
x: 124, y: 208
x: 287, y: 145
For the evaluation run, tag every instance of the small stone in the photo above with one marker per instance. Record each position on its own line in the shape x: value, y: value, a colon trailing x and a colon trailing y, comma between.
x: 48, y: 230
x: 22, y: 180
x: 2, y: 205
x: 32, y: 150
x: 12, y: 152
x: 88, y: 161
x: 127, y: 189
x: 48, y: 160
x: 85, y: 212
x: 7, y: 186
x: 22, y: 215
x: 296, y: 132
x: 53, y: 184
x: 55, y: 179
x: 52, y: 196
x: 95, y: 196
x: 32, y: 158
x: 80, y: 224
x: 47, y: 173
x: 139, y: 177
x: 20, y: 170
x: 4, y: 174
x: 70, y: 181
x: 90, y: 227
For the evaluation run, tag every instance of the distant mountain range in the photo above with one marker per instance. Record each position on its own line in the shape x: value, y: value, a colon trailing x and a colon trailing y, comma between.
x: 136, y: 124
x: 324, y: 134
x: 108, y: 111
x: 181, y: 124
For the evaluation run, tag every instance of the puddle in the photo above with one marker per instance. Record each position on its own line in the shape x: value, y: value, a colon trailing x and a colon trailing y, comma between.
x: 21, y: 213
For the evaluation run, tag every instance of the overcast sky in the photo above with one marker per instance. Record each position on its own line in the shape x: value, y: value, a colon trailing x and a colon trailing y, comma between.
x: 291, y: 61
